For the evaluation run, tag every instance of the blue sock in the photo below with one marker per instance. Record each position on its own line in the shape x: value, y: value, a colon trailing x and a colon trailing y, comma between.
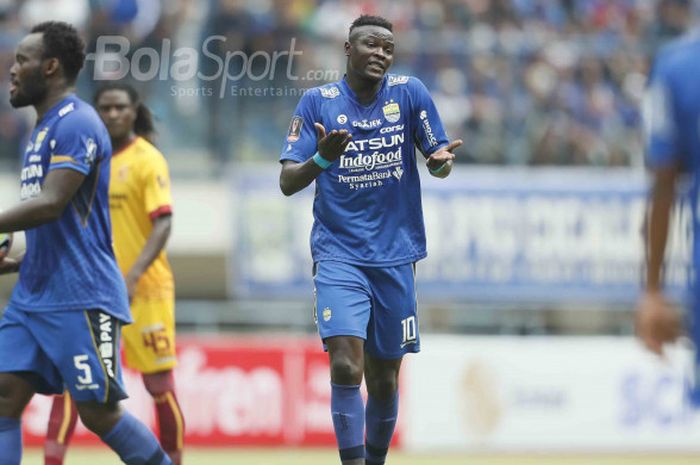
x: 134, y: 443
x: 381, y: 419
x: 10, y: 441
x: 347, y: 410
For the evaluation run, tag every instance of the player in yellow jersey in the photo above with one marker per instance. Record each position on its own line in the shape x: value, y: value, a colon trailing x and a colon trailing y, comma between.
x: 141, y: 209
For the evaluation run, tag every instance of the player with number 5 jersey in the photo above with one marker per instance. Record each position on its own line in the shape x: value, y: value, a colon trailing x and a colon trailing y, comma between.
x: 62, y: 325
x: 141, y: 212
x: 357, y: 140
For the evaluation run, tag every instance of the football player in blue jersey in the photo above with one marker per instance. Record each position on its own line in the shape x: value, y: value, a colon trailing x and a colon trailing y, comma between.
x: 62, y: 324
x: 356, y: 138
x: 672, y: 117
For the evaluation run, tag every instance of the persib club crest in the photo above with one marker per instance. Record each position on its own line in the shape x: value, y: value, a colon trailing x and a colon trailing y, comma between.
x: 40, y: 138
x: 392, y: 112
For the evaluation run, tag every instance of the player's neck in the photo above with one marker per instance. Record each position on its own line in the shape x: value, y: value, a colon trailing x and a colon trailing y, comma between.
x: 364, y: 89
x: 122, y: 142
x: 52, y: 98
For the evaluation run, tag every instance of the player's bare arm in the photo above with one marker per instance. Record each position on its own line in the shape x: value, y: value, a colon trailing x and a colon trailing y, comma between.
x: 440, y: 163
x: 657, y: 322
x: 57, y: 191
x: 155, y: 244
x: 296, y: 176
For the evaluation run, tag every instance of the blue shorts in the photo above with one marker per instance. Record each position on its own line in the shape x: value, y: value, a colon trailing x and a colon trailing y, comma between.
x: 375, y: 304
x: 76, y: 349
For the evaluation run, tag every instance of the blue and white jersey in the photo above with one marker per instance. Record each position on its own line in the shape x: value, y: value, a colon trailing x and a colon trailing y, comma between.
x: 69, y: 263
x: 367, y: 208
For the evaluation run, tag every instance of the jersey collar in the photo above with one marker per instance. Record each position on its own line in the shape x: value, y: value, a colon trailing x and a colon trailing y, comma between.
x: 51, y: 112
x: 123, y: 149
x: 346, y: 88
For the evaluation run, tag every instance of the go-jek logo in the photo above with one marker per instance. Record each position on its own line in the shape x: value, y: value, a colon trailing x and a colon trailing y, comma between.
x: 428, y: 129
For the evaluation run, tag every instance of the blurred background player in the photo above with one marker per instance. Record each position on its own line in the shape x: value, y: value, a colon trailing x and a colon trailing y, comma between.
x: 356, y: 138
x: 672, y: 112
x: 70, y: 302
x: 140, y: 206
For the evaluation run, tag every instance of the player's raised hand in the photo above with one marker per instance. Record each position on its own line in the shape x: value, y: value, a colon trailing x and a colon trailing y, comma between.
x: 656, y: 322
x: 332, y: 145
x: 437, y: 160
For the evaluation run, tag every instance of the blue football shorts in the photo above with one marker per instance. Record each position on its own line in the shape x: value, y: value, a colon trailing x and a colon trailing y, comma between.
x: 78, y: 350
x: 372, y: 303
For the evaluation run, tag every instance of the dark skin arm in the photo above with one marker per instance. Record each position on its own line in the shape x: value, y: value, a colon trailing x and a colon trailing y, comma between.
x: 57, y: 191
x: 160, y: 233
x: 444, y: 156
x: 656, y: 321
x: 296, y: 176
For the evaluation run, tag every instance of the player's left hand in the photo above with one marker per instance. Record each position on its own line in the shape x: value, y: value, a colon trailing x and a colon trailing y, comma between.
x: 657, y: 323
x: 131, y: 281
x: 442, y: 156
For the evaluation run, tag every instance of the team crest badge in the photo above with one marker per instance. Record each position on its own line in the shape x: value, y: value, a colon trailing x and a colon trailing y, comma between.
x: 295, y: 129
x: 40, y: 138
x: 392, y: 112
x: 326, y: 314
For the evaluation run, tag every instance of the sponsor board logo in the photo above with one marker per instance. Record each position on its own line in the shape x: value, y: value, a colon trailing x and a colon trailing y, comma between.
x: 481, y: 407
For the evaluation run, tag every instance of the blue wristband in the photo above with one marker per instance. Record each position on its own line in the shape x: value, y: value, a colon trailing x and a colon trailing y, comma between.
x: 322, y: 162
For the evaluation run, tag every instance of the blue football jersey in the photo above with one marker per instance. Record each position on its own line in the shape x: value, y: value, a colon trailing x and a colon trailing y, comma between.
x: 367, y: 208
x: 672, y: 117
x: 69, y: 263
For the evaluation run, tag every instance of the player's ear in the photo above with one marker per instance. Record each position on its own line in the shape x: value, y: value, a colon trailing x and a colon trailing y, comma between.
x: 51, y: 67
x: 347, y: 48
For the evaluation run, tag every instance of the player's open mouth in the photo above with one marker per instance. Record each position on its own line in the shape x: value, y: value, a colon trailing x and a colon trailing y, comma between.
x: 13, y: 87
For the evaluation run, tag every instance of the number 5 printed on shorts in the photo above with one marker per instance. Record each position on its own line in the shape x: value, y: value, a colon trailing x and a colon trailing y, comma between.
x: 84, y: 380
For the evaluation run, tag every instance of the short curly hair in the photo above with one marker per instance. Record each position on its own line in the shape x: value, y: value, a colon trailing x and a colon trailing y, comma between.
x: 62, y: 41
x: 370, y: 20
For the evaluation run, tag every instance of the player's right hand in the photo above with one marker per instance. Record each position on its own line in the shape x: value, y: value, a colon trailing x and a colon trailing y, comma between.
x: 331, y: 146
x: 657, y: 323
x: 9, y: 265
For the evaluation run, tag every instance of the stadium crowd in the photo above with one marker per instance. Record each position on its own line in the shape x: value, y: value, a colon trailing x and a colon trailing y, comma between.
x: 525, y: 82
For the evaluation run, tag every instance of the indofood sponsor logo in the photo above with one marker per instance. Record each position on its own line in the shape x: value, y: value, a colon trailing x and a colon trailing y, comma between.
x: 376, y: 159
x: 370, y: 162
